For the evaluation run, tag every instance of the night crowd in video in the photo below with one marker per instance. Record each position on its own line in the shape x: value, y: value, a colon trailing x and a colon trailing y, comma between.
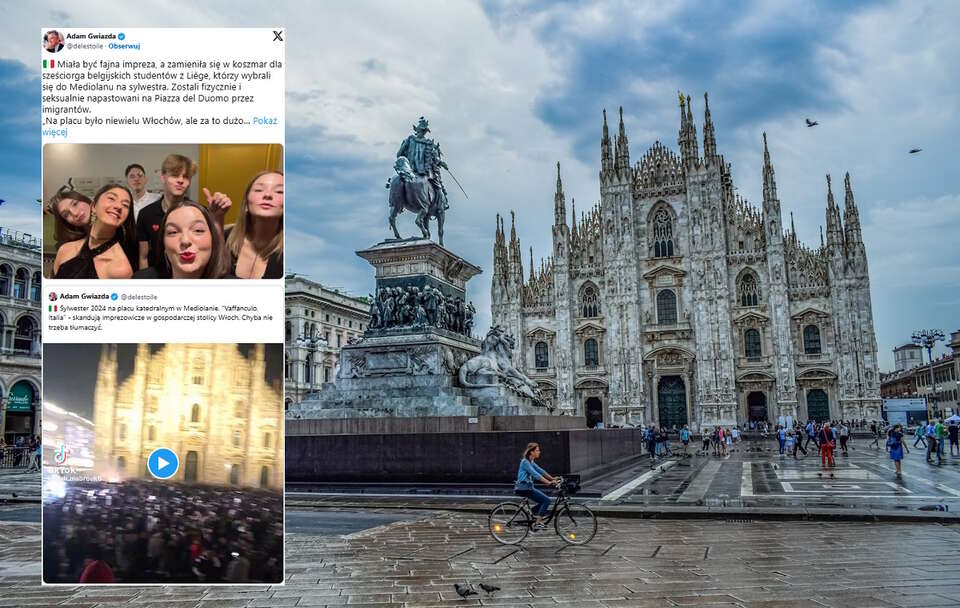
x: 150, y: 532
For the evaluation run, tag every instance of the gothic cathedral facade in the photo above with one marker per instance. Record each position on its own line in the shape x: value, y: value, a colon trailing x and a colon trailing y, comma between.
x: 674, y: 301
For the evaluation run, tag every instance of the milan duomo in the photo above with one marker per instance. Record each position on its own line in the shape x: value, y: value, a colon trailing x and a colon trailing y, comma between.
x: 674, y: 301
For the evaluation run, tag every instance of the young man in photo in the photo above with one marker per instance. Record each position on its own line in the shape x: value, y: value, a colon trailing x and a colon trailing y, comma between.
x: 136, y: 177
x: 176, y: 173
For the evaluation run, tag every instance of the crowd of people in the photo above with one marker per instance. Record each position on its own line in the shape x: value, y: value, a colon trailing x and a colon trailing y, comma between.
x: 25, y: 452
x: 829, y: 439
x: 151, y: 532
x: 127, y: 231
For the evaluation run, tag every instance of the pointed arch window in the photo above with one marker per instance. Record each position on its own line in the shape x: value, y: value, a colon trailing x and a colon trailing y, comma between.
x: 667, y: 307
x: 748, y: 292
x: 751, y: 344
x: 590, y: 302
x: 195, y: 413
x: 811, y: 340
x: 662, y: 234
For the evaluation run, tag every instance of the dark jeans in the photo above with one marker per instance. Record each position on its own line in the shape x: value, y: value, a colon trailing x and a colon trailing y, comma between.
x: 542, y: 500
x: 920, y: 439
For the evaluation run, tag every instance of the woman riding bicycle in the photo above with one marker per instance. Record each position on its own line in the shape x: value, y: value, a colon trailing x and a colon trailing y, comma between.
x: 529, y: 473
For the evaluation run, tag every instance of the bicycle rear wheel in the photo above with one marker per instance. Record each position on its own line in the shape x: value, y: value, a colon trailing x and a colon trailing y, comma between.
x: 510, y: 522
x: 575, y: 524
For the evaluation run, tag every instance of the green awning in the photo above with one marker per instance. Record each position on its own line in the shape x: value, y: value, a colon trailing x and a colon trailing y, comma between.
x: 21, y: 398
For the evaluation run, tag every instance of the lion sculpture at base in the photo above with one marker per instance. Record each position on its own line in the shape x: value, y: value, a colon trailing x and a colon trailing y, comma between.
x: 495, y: 359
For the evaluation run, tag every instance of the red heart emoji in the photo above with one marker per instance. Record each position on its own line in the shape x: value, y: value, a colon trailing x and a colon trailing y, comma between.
x: 156, y: 227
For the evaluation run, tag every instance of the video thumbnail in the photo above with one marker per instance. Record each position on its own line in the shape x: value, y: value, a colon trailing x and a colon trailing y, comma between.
x: 163, y: 463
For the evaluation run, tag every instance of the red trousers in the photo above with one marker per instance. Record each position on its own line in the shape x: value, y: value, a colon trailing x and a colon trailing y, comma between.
x: 826, y: 454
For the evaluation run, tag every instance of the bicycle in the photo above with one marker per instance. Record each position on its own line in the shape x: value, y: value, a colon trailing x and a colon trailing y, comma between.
x: 511, y: 522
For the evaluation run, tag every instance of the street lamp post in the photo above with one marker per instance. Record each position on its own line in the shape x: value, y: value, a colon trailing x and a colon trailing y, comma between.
x: 928, y: 338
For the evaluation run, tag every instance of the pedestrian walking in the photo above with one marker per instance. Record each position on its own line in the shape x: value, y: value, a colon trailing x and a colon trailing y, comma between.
x: 918, y: 433
x: 953, y: 431
x: 876, y: 434
x: 782, y: 439
x: 705, y: 442
x: 798, y: 444
x: 931, y: 433
x: 895, y: 443
x: 844, y: 437
x: 685, y: 439
x: 35, y: 458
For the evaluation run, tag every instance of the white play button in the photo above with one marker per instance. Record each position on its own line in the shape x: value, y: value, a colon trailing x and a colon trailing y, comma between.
x: 163, y: 463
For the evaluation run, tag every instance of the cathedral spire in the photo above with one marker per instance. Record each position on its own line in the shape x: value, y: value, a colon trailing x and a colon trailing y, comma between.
x: 821, y: 236
x: 689, y: 151
x: 834, y: 229
x: 623, y: 150
x: 573, y: 213
x: 709, y: 140
x: 769, y: 179
x: 606, y: 152
x: 851, y: 217
x: 793, y: 229
x: 531, y: 264
x: 559, y: 203
x: 499, y: 250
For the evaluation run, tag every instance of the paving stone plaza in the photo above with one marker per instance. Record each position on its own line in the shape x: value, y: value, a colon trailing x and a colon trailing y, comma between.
x: 413, y: 557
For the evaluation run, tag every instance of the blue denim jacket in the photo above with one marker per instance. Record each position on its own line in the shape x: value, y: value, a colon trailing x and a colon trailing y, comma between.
x: 527, y: 474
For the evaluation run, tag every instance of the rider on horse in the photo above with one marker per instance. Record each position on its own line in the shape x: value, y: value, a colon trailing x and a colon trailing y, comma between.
x: 425, y: 159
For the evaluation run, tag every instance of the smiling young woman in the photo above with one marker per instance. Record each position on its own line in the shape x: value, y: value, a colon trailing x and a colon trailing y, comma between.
x: 255, y: 242
x: 193, y: 247
x: 100, y: 254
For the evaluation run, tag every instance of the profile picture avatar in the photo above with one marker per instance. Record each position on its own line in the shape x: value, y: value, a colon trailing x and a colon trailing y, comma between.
x: 52, y: 41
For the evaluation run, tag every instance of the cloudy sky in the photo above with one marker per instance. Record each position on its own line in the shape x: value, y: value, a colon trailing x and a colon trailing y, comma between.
x: 510, y: 88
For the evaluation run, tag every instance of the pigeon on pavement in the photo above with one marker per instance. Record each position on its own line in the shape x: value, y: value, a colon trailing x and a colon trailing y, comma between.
x: 489, y: 589
x: 464, y: 591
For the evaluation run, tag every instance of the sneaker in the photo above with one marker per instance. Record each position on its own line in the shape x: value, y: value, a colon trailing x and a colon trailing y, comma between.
x: 537, y: 527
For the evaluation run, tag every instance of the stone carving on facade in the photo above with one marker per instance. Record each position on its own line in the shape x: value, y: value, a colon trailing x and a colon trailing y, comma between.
x: 496, y: 361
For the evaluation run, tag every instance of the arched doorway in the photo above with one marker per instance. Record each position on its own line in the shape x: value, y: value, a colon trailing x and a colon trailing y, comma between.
x: 672, y: 402
x: 264, y: 477
x: 594, y: 411
x: 190, y: 468
x: 757, y: 406
x: 234, y: 474
x: 818, y: 405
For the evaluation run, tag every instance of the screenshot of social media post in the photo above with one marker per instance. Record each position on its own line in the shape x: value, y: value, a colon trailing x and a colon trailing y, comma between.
x: 163, y: 463
x: 162, y: 161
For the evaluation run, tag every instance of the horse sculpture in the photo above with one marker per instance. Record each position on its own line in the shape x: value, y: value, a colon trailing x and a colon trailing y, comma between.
x: 412, y: 192
x: 495, y: 359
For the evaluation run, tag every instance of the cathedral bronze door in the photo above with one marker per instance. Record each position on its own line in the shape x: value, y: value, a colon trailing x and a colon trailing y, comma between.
x: 818, y: 405
x: 672, y: 402
x: 594, y: 412
x: 190, y: 471
x: 757, y: 407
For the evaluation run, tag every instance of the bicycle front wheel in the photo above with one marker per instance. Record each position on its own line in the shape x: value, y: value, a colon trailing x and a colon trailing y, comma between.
x: 575, y: 524
x: 510, y: 523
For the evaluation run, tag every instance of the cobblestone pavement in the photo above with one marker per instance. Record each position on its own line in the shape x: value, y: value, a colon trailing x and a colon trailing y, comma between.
x: 19, y: 484
x: 754, y: 475
x: 639, y: 563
